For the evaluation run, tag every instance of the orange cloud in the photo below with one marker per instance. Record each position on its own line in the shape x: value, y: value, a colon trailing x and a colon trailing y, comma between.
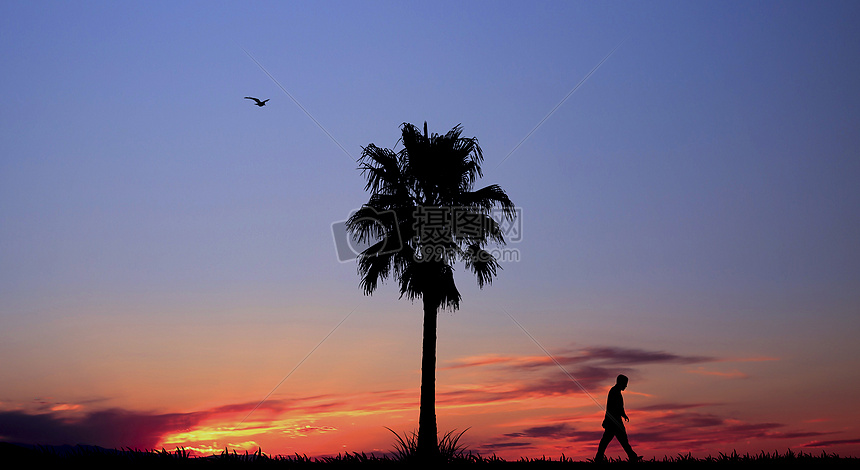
x: 65, y: 407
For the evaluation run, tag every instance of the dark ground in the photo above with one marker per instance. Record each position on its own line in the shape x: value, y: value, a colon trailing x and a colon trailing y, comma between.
x: 17, y: 456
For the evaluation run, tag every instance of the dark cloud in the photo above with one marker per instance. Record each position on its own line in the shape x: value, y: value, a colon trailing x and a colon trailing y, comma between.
x: 588, y: 368
x: 587, y: 376
x: 695, y: 430
x: 118, y: 428
x: 753, y: 429
x: 502, y: 445
x: 553, y: 432
x: 604, y: 356
x: 112, y: 428
x: 563, y: 431
x: 638, y: 356
x: 698, y: 430
x: 688, y: 430
x: 795, y: 435
x: 832, y: 443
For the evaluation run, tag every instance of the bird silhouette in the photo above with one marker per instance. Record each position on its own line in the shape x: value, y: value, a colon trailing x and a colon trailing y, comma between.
x: 257, y: 102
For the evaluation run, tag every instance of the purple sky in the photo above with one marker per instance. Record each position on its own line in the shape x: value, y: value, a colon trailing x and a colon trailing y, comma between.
x: 689, y: 215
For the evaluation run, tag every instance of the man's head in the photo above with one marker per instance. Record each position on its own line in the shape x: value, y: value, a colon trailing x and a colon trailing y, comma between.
x: 621, y: 381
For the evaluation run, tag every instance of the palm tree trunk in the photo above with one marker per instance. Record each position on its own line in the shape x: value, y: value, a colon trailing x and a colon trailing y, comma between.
x: 428, y: 447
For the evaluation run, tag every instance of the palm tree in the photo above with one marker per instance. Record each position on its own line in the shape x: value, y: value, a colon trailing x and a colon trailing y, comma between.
x: 425, y: 216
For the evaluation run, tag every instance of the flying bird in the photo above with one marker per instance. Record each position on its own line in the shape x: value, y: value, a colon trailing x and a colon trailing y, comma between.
x: 256, y: 101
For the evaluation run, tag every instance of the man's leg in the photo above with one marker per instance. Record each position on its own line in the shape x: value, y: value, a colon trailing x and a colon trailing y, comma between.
x: 621, y: 435
x: 604, y: 441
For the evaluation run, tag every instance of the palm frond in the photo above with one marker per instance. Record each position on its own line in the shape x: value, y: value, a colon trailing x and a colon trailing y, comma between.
x: 369, y: 223
x: 375, y: 266
x: 482, y: 263
x: 430, y: 279
x: 431, y: 170
x: 473, y: 227
x: 379, y: 166
x: 488, y: 198
x: 390, y: 201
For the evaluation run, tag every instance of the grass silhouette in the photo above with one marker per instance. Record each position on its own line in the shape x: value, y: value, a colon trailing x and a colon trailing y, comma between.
x: 450, y: 449
x: 89, y: 457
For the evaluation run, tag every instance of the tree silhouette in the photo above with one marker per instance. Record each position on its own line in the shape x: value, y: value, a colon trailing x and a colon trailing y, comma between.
x: 425, y: 216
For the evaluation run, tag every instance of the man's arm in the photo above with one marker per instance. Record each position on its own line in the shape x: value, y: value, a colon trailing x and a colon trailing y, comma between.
x: 621, y: 402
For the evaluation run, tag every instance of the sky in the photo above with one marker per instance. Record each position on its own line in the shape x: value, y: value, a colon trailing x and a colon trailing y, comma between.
x: 688, y: 217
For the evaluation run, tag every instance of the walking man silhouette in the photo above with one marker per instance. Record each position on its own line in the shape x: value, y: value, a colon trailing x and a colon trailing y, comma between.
x: 612, y: 422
